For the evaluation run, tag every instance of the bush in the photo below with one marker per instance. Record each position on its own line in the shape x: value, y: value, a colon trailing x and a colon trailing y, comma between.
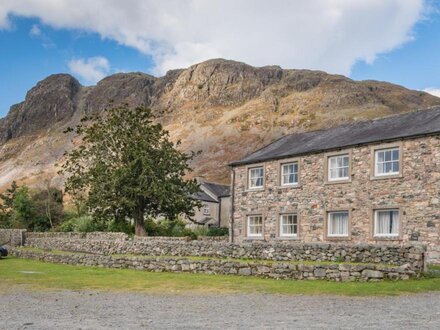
x: 171, y: 228
x: 120, y: 226
x: 82, y: 224
x: 218, y: 231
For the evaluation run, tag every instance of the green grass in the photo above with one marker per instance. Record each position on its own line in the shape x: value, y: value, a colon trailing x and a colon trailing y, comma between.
x: 66, y: 277
x: 434, y: 267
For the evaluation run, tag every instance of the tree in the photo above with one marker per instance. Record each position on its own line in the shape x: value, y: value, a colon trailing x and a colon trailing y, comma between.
x: 22, y: 208
x: 6, y: 206
x: 48, y: 204
x: 127, y: 167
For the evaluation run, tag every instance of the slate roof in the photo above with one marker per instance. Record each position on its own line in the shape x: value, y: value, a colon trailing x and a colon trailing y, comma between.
x: 202, y: 196
x: 422, y: 122
x: 220, y: 190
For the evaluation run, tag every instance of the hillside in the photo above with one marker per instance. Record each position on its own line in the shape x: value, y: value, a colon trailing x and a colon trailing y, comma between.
x: 226, y: 109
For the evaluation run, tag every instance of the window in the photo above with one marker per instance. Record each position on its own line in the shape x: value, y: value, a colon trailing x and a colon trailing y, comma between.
x: 387, y: 162
x: 255, y: 226
x: 206, y: 210
x: 256, y: 177
x: 288, y: 225
x: 337, y: 224
x: 338, y: 168
x: 386, y: 223
x: 289, y: 174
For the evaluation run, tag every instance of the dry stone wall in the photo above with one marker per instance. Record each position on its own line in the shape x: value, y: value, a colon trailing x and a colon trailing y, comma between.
x: 277, y: 270
x: 409, y: 254
x: 12, y: 237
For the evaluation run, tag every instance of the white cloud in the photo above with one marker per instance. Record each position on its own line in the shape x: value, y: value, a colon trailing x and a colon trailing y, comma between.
x: 35, y: 31
x: 90, y: 70
x: 433, y: 91
x: 329, y: 35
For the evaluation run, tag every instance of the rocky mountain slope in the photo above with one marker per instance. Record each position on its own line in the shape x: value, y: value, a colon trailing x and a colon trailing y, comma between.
x: 226, y: 109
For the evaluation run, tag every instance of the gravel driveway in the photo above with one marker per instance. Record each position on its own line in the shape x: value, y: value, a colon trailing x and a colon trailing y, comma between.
x: 96, y: 310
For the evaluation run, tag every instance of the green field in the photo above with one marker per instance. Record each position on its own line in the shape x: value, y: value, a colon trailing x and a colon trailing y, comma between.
x: 35, y: 275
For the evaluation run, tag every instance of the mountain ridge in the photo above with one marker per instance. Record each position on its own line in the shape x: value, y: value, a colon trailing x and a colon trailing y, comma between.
x: 224, y: 108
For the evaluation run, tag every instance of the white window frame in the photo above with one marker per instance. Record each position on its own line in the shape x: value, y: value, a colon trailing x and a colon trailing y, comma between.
x: 250, y: 169
x: 288, y: 184
x: 329, y: 168
x: 392, y: 235
x: 248, y: 225
x: 206, y: 209
x: 376, y: 162
x: 329, y: 224
x: 295, y: 225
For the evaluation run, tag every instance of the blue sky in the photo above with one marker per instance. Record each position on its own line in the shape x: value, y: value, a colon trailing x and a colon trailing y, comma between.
x: 398, y: 41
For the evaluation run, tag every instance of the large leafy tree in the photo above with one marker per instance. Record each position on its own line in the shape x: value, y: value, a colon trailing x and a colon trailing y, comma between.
x: 127, y: 167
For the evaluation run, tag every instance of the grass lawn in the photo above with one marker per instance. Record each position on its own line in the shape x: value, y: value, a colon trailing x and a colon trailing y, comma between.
x: 35, y: 275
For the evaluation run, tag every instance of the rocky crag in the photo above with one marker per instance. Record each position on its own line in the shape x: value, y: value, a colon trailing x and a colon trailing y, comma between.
x: 224, y: 108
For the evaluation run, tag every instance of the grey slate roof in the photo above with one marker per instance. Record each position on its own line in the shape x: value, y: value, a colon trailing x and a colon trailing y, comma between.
x: 220, y: 190
x: 422, y: 122
x: 202, y: 196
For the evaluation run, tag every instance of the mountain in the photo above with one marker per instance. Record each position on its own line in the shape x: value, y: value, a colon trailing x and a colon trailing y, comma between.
x: 224, y: 108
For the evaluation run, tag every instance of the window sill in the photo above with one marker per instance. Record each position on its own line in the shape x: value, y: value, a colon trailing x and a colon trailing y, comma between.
x: 254, y: 189
x: 384, y: 177
x: 337, y: 182
x: 293, y: 186
x: 387, y: 238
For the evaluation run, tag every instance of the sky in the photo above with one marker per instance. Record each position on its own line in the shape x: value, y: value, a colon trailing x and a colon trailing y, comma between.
x: 391, y: 40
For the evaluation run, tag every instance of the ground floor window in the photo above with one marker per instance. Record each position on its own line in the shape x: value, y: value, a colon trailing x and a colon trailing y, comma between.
x: 337, y: 224
x: 288, y: 225
x: 386, y: 223
x: 255, y: 226
x: 206, y: 209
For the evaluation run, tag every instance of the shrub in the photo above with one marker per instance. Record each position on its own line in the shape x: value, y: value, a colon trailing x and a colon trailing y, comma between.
x: 82, y: 224
x: 218, y: 231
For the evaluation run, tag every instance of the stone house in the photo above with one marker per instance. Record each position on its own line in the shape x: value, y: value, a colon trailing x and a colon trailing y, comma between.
x: 368, y: 182
x: 216, y: 205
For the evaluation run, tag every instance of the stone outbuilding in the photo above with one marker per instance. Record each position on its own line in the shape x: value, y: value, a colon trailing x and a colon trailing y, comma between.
x: 369, y: 182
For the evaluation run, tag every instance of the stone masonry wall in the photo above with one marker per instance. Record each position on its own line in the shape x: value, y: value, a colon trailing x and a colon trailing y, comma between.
x: 416, y: 193
x: 12, y: 237
x: 278, y: 270
x: 408, y: 254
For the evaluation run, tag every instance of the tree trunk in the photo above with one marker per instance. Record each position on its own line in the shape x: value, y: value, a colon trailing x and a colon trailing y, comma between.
x: 139, y: 227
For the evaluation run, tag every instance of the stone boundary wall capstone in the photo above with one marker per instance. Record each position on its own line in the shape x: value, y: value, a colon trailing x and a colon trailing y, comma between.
x: 278, y: 270
x: 13, y: 237
x: 410, y: 254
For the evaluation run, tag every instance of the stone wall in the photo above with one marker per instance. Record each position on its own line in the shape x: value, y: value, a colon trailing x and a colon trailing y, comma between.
x: 413, y: 255
x: 277, y: 270
x: 416, y: 192
x: 12, y: 237
x: 71, y: 235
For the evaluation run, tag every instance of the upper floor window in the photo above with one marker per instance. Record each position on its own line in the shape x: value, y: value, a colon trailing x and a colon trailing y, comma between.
x: 387, y: 162
x: 337, y: 224
x: 289, y: 174
x: 288, y: 225
x: 256, y: 177
x: 338, y: 167
x: 206, y: 210
x: 386, y: 223
x: 255, y: 226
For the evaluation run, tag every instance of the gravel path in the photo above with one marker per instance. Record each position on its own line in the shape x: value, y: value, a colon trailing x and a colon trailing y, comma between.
x: 96, y: 310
